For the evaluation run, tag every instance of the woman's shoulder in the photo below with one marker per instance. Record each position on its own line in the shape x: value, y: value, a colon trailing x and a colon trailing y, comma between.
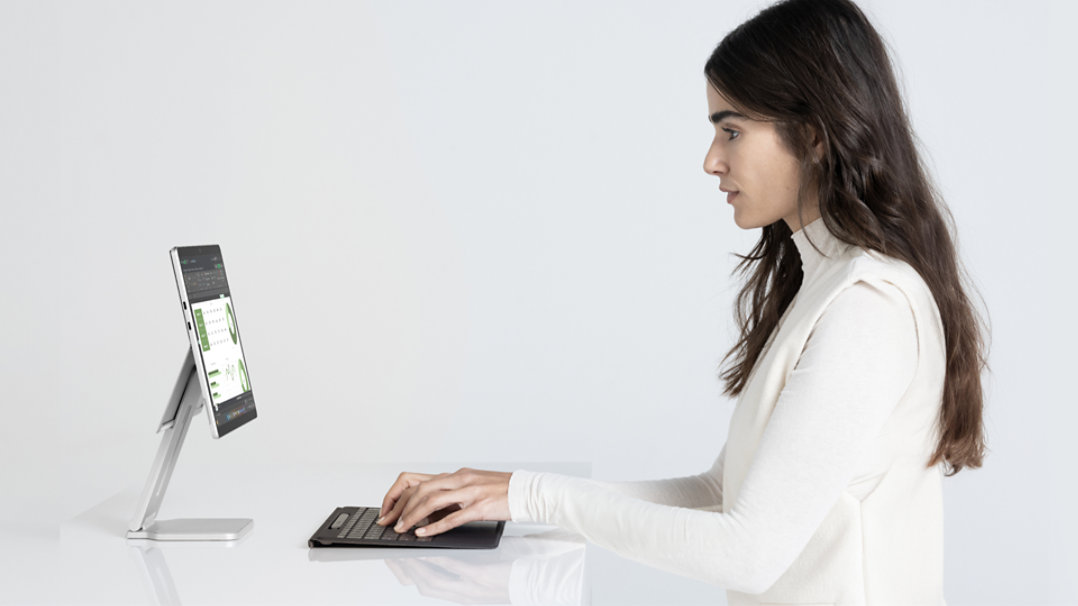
x: 888, y: 275
x: 862, y: 265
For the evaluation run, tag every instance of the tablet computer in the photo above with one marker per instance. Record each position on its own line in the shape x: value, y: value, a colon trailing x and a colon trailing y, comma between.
x: 214, y: 331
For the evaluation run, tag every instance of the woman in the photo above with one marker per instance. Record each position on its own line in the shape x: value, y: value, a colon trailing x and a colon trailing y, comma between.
x: 858, y: 367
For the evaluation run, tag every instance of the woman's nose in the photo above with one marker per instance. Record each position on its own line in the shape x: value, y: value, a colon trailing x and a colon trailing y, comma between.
x: 714, y: 162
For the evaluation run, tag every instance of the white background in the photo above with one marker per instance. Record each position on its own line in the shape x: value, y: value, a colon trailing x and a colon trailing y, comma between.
x: 481, y: 231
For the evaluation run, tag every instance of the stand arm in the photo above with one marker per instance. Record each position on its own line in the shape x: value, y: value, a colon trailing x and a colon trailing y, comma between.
x: 186, y: 400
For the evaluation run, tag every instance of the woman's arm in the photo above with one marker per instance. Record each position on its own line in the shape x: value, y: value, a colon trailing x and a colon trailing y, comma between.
x: 856, y: 366
x: 701, y: 491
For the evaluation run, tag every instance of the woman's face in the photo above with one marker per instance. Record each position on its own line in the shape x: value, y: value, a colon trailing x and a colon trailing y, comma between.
x: 755, y: 167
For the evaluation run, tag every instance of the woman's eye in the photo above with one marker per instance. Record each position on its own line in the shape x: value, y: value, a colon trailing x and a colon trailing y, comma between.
x: 733, y: 133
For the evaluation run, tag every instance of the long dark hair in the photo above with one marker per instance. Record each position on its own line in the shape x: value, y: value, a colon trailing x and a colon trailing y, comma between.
x: 819, y: 68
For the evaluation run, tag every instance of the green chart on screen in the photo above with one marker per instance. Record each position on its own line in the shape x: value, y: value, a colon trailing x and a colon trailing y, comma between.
x: 221, y: 350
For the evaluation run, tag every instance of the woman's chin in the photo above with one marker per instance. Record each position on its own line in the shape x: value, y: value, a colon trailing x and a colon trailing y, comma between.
x: 744, y: 222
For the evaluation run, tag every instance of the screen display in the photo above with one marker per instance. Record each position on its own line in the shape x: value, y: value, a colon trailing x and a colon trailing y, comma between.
x: 213, y: 318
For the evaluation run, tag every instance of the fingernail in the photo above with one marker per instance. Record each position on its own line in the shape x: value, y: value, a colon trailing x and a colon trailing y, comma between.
x: 399, y: 527
x: 420, y: 531
x: 380, y: 519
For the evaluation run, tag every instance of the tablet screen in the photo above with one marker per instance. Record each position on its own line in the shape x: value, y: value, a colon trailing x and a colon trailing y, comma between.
x: 215, y: 336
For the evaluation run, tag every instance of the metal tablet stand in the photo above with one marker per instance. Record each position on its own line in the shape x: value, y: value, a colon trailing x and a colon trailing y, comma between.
x: 186, y: 400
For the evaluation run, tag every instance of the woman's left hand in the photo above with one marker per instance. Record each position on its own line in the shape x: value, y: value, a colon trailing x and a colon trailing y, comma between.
x: 469, y: 494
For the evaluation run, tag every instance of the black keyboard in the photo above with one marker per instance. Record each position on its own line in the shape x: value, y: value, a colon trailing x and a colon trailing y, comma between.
x: 356, y: 527
x: 361, y: 525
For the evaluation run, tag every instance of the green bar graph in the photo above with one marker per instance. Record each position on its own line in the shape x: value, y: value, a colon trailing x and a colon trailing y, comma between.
x: 202, y: 330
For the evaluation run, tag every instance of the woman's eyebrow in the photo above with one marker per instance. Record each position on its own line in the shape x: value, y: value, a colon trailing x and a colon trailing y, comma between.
x: 724, y: 114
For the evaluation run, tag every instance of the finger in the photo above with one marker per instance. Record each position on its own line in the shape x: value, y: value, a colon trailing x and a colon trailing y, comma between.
x: 449, y: 522
x: 426, y: 499
x: 441, y: 513
x: 402, y: 505
x: 404, y: 481
x: 426, y: 502
x: 398, y: 508
x: 392, y: 500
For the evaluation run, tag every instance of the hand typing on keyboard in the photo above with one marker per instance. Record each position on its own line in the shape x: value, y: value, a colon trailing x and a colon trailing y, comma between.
x: 447, y: 500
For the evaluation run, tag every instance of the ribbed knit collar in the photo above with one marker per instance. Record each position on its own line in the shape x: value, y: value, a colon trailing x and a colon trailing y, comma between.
x: 829, y: 245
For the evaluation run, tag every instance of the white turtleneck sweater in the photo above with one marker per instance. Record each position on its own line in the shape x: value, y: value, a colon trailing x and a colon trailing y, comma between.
x: 831, y: 436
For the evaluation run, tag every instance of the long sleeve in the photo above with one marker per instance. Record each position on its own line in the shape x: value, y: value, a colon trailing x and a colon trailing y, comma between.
x: 701, y: 491
x: 858, y: 362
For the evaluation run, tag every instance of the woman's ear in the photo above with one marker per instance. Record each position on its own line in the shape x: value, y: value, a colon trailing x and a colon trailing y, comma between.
x: 816, y: 145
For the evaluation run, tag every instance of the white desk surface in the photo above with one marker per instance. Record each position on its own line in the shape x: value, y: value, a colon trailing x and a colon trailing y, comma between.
x: 89, y: 560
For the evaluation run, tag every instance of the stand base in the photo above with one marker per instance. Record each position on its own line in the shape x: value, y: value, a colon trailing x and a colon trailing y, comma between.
x: 221, y: 529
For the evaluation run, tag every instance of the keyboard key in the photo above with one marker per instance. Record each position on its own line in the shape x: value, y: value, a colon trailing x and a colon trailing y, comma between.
x: 362, y: 524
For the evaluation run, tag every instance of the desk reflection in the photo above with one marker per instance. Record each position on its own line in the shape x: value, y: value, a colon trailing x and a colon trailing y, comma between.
x: 154, y: 569
x: 152, y: 565
x: 545, y: 567
x: 540, y: 568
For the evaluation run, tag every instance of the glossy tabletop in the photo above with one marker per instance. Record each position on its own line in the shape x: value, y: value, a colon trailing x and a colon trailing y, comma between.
x: 91, y: 562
